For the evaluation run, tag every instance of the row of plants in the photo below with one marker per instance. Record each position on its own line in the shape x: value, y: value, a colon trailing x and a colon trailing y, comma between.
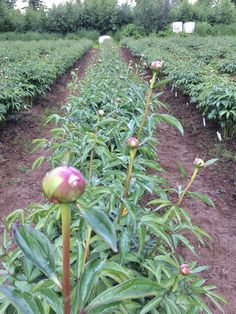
x: 199, y: 67
x: 98, y: 248
x: 28, y: 69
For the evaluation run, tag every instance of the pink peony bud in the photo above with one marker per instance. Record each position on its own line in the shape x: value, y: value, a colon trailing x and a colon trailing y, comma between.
x: 199, y: 163
x: 184, y: 269
x: 132, y: 142
x: 63, y: 184
x: 156, y: 65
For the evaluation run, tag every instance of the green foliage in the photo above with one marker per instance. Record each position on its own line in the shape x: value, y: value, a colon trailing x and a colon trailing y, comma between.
x: 28, y: 69
x: 102, y: 16
x: 200, y: 68
x: 84, y: 33
x: 223, y: 12
x: 203, y: 28
x: 130, y: 30
x: 28, y: 36
x: 152, y: 15
x: 144, y: 273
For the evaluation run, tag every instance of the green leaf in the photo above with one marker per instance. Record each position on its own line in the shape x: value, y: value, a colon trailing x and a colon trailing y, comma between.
x: 210, y: 162
x: 115, y: 271
x: 167, y: 260
x: 85, y: 285
x: 202, y: 197
x: 101, y: 224
x: 37, y: 248
x: 151, y: 305
x: 23, y: 302
x: 38, y: 162
x: 52, y: 299
x: 142, y: 235
x: 172, y: 121
x: 80, y: 258
x: 124, y: 245
x: 131, y: 289
x: 161, y: 83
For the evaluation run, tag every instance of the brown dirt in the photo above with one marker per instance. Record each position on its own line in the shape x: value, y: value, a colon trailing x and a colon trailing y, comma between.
x: 218, y: 182
x: 19, y: 185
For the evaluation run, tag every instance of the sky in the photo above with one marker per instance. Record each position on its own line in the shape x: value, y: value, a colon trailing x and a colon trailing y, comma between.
x: 49, y: 3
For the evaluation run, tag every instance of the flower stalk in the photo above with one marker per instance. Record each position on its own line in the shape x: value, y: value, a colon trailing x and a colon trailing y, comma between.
x: 63, y: 185
x: 148, y: 99
x: 66, y: 219
x: 86, y: 250
x: 198, y: 163
x: 127, y: 182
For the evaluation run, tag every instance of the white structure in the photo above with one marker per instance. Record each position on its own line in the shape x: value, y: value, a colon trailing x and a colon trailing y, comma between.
x: 189, y: 27
x: 177, y: 27
x: 103, y: 38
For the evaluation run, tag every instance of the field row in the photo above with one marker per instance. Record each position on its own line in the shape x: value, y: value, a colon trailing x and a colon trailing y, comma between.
x: 203, y: 68
x: 123, y: 255
x: 28, y: 69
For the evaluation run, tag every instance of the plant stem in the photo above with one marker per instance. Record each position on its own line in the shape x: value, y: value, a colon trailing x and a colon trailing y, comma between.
x: 127, y: 183
x: 66, y: 218
x: 91, y: 156
x: 196, y: 169
x: 150, y: 91
x: 86, y: 251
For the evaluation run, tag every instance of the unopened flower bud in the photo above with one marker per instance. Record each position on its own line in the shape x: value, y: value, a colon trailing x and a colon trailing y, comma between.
x: 199, y: 163
x: 63, y: 184
x: 100, y: 113
x: 184, y: 269
x: 132, y: 142
x: 156, y: 65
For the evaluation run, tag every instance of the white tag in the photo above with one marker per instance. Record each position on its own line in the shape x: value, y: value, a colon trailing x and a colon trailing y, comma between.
x: 219, y: 136
x: 204, y: 121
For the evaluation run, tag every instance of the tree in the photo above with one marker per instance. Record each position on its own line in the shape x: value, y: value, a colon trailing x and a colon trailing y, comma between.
x: 100, y: 15
x: 10, y: 3
x: 152, y: 15
x: 35, y: 4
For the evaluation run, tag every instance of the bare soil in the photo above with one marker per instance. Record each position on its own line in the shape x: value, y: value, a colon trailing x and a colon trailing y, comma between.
x: 218, y: 182
x: 20, y: 186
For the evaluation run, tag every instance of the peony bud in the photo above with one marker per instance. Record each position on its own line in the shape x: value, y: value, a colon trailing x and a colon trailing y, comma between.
x: 184, y: 269
x: 100, y: 113
x: 63, y: 184
x: 156, y: 65
x: 199, y: 163
x: 133, y: 142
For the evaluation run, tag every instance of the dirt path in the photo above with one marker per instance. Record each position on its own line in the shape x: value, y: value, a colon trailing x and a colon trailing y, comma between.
x: 19, y: 185
x: 217, y: 182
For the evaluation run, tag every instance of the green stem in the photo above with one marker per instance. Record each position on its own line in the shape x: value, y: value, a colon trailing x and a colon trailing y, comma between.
x: 188, y: 186
x: 150, y: 91
x: 66, y: 218
x: 127, y: 183
x: 91, y: 156
x: 86, y: 251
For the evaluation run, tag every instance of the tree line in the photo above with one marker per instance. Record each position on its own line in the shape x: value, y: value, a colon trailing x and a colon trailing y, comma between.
x: 107, y: 16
